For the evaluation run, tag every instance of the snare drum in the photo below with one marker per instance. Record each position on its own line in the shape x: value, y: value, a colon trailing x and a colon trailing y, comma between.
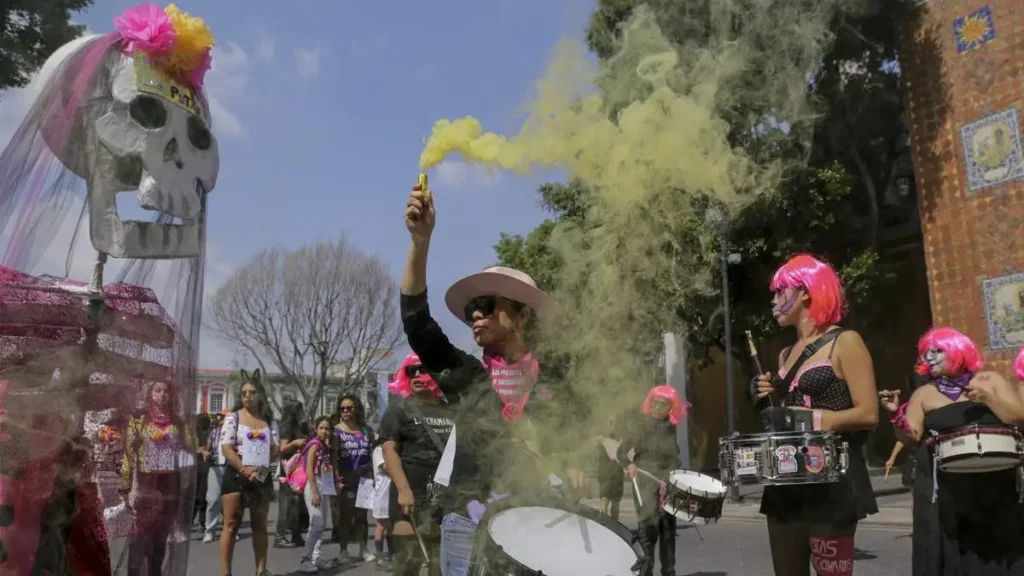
x: 781, y: 458
x: 690, y: 495
x: 978, y: 449
x: 553, y: 538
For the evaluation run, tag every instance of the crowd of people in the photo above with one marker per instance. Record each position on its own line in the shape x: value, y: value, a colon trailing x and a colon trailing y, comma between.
x: 453, y: 441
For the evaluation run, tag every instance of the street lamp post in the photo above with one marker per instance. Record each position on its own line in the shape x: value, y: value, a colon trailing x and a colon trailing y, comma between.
x: 715, y: 218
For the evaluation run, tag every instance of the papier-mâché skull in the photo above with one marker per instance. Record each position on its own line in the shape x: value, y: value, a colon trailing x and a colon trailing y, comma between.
x: 152, y: 137
x: 162, y: 146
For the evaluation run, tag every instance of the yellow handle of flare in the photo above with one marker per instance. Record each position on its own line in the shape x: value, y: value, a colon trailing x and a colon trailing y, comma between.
x: 422, y: 181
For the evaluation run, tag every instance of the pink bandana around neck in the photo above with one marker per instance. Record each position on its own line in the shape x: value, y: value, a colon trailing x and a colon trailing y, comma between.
x: 513, y: 382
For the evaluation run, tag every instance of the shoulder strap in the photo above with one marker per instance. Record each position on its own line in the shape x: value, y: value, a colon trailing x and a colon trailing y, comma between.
x: 807, y: 353
x: 415, y: 410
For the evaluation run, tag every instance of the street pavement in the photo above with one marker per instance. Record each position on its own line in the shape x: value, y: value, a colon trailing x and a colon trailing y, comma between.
x: 736, y: 546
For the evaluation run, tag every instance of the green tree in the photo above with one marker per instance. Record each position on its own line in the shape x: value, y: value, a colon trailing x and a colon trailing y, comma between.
x: 834, y: 206
x: 32, y: 30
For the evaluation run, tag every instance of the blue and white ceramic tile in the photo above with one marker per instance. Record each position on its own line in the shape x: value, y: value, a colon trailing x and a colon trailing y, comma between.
x: 992, y: 150
x: 974, y: 30
x: 1004, y: 311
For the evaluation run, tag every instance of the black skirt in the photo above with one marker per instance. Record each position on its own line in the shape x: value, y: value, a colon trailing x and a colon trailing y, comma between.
x: 253, y: 493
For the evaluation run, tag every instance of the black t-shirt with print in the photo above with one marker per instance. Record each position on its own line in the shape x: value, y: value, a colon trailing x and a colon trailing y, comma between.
x: 402, y: 425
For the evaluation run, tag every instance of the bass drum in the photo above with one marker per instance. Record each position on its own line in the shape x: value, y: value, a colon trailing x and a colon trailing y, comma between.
x: 552, y: 538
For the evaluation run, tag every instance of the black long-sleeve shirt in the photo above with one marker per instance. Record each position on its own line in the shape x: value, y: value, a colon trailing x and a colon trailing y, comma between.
x: 486, y: 455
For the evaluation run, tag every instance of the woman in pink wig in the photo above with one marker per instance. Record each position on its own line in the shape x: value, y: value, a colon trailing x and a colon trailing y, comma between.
x: 654, y: 448
x: 413, y: 433
x: 825, y: 381
x: 963, y: 523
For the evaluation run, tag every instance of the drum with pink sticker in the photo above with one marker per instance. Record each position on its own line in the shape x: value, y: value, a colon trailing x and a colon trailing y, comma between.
x: 779, y: 458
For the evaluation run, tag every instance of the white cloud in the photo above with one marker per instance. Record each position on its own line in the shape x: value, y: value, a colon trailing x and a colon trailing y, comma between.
x: 227, y: 81
x: 456, y: 174
x: 307, y: 62
x: 264, y: 48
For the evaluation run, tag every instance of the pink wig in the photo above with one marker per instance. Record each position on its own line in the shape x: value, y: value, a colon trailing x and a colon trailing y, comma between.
x: 828, y: 304
x: 961, y: 353
x: 1018, y: 364
x: 668, y: 393
x: 402, y: 384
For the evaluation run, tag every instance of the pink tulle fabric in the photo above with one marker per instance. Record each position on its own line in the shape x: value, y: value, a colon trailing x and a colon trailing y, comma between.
x: 41, y: 317
x: 402, y: 385
x: 1018, y: 365
x: 678, y: 408
x: 828, y: 303
x: 145, y: 28
x: 962, y: 355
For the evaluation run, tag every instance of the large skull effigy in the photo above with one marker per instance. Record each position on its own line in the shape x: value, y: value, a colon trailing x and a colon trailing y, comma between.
x: 117, y: 113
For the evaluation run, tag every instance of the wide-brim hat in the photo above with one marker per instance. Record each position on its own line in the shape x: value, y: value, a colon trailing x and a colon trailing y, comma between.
x: 507, y: 283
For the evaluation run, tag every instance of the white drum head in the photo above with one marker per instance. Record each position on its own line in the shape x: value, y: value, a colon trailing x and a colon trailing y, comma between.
x: 696, y: 483
x: 560, y: 543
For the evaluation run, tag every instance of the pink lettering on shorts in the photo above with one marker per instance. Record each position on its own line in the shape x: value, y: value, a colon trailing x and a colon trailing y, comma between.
x: 832, y: 556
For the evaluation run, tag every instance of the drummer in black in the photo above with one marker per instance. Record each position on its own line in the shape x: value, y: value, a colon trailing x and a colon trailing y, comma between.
x: 833, y: 389
x: 413, y: 432
x: 513, y: 429
x: 650, y: 445
x: 964, y: 523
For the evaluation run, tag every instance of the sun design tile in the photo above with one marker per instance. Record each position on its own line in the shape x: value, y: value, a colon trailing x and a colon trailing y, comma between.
x: 974, y: 30
x: 992, y: 150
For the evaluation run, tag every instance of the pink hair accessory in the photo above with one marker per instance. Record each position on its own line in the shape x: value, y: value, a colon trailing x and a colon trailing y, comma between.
x: 664, y: 392
x: 1018, y: 364
x: 256, y: 435
x: 962, y: 354
x: 401, y: 385
x: 828, y: 303
x: 145, y: 28
x: 899, y: 420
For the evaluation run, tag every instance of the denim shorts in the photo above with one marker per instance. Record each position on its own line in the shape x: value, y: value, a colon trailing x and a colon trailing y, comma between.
x: 457, y: 534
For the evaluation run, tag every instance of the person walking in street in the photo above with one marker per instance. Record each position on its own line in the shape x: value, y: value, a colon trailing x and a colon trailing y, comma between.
x: 250, y: 441
x: 320, y: 486
x: 291, y: 517
x: 354, y: 443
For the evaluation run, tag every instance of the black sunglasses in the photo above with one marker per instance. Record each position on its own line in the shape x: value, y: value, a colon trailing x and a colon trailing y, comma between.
x: 415, y: 370
x: 346, y: 409
x: 486, y: 305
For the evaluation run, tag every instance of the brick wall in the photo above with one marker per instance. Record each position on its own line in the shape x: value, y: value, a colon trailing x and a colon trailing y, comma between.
x: 963, y: 64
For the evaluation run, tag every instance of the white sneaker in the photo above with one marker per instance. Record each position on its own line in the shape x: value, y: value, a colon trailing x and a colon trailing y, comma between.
x: 208, y: 538
x: 308, y: 567
x: 368, y: 557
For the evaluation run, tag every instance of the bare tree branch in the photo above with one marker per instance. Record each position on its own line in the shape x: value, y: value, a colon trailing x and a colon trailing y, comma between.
x: 308, y: 309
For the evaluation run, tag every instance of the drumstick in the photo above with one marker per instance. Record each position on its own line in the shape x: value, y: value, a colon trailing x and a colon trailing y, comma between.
x: 636, y: 490
x: 757, y: 361
x: 423, y: 547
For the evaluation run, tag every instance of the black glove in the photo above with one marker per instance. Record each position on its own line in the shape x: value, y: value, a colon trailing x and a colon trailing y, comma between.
x: 769, y: 400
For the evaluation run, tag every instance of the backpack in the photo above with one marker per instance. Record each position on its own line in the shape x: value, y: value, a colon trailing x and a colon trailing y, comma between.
x: 297, y: 476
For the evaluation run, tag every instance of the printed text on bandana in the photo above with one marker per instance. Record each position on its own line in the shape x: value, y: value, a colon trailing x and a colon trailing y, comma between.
x: 510, y: 382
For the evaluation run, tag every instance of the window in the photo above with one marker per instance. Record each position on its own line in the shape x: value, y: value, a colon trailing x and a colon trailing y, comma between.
x: 330, y: 403
x: 216, y: 402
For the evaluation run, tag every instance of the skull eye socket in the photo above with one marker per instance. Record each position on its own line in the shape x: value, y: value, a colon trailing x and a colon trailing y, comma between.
x: 148, y: 112
x: 198, y: 134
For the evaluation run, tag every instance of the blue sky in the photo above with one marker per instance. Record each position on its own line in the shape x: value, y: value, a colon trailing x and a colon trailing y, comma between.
x: 321, y: 108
